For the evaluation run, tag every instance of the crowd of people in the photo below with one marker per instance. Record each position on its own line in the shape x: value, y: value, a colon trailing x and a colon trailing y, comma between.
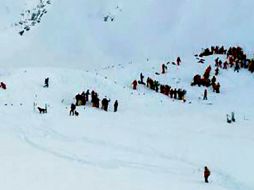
x: 155, y: 85
x: 213, y: 50
x: 236, y: 58
x: 84, y: 97
x: 206, y: 80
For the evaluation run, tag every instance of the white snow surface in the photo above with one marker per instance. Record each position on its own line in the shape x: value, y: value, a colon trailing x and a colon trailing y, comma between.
x: 152, y: 142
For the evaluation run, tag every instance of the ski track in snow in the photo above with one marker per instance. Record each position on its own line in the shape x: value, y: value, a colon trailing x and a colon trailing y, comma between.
x: 111, y: 164
x: 225, y: 180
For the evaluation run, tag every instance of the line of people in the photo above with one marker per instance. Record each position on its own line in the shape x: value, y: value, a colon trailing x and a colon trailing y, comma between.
x: 212, y: 51
x: 164, y: 89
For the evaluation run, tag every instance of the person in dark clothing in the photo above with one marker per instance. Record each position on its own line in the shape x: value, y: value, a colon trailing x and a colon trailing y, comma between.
x: 205, y: 95
x: 196, y: 80
x: 213, y: 80
x: 156, y: 85
x: 93, y: 96
x: 225, y: 65
x: 78, y: 98
x: 164, y: 68
x: 171, y: 93
x: 182, y: 95
x: 217, y: 71
x: 115, y: 106
x: 73, y: 108
x: 3, y: 85
x: 218, y: 88
x: 175, y: 93
x: 141, y: 79
x: 87, y: 95
x: 46, y: 83
x: 104, y: 104
x: 178, y: 61
x: 147, y: 82
x: 95, y: 100
x: 207, y: 173
x: 233, y: 116
x: 237, y: 67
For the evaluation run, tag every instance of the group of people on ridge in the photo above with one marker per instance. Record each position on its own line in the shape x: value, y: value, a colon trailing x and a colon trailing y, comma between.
x: 213, y: 50
x: 157, y: 87
x: 84, y: 97
x: 206, y: 81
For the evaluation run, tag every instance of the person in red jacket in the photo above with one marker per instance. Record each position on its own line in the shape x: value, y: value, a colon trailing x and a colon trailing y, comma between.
x: 207, y: 173
x: 207, y: 72
x: 134, y: 84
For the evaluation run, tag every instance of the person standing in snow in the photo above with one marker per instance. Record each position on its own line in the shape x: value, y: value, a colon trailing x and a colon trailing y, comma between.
x: 213, y: 80
x: 205, y: 95
x: 142, y: 79
x: 115, y: 106
x: 156, y: 85
x: 217, y: 71
x: 104, y: 104
x: 178, y: 61
x: 73, y: 108
x: 237, y: 67
x: 218, y: 88
x: 134, y: 84
x: 207, y: 173
x: 87, y: 95
x: 233, y: 116
x: 46, y: 83
x: 164, y: 68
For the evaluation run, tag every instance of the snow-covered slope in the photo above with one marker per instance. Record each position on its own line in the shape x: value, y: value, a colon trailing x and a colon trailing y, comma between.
x: 152, y: 142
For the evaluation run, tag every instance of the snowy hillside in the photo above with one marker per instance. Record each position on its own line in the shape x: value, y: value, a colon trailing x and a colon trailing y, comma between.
x: 153, y: 141
x: 75, y: 34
